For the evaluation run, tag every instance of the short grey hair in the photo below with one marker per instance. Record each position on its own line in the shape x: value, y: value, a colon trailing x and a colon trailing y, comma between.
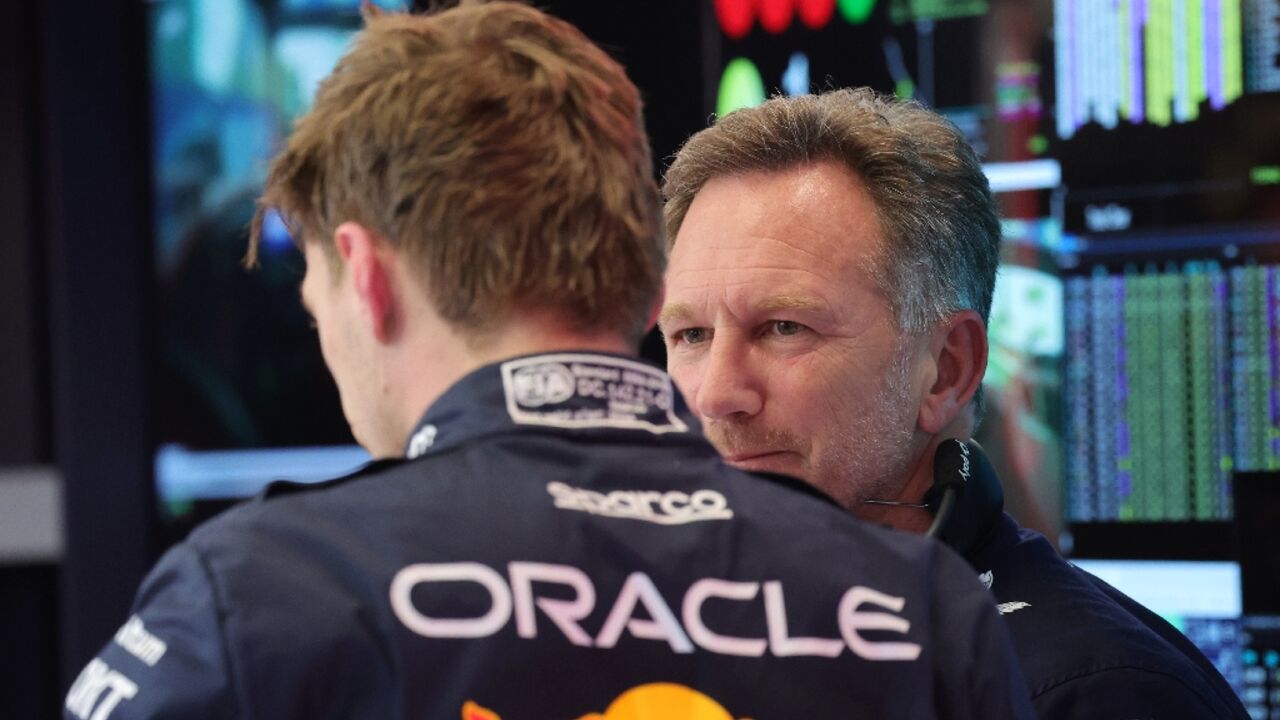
x: 940, y: 226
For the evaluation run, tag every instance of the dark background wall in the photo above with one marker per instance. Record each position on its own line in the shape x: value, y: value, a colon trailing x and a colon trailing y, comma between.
x: 24, y: 421
x: 29, y: 682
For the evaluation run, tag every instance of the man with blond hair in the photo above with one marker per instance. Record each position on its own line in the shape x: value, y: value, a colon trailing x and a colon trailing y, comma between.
x: 830, y: 280
x: 544, y: 535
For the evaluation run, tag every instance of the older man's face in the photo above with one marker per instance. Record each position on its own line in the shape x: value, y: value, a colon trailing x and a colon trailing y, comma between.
x: 780, y: 339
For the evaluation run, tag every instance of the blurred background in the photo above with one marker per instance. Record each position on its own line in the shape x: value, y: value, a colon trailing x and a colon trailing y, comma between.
x: 147, y: 381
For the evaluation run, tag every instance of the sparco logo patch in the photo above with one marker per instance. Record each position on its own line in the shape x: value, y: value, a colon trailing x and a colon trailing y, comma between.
x: 669, y: 508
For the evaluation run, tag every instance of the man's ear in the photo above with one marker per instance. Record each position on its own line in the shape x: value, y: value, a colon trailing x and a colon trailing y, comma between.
x: 655, y: 310
x: 368, y: 259
x: 958, y: 349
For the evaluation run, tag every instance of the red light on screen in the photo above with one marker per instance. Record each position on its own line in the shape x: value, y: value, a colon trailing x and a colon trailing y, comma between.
x: 775, y: 15
x: 735, y: 17
x: 815, y: 14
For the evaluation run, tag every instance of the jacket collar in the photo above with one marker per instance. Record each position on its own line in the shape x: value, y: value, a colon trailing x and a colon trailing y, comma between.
x: 574, y: 392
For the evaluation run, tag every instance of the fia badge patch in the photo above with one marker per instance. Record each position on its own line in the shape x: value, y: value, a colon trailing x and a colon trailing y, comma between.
x: 569, y: 390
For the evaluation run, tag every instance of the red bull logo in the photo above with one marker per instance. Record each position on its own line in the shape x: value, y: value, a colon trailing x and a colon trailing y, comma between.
x: 655, y: 701
x: 662, y: 701
x: 472, y: 711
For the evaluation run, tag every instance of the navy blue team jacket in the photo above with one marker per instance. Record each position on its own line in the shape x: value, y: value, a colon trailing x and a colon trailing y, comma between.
x: 1087, y: 650
x: 559, y: 543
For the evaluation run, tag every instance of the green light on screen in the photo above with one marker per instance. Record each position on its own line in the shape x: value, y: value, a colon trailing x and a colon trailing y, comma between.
x: 1265, y: 175
x: 904, y: 11
x: 1037, y: 144
x: 856, y: 12
x: 741, y: 86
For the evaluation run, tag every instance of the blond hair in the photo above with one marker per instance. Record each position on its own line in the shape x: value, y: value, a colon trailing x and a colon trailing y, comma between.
x: 498, y: 149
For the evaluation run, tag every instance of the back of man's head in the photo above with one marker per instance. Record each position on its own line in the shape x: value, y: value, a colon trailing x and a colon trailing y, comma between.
x: 499, y: 151
x: 933, y: 201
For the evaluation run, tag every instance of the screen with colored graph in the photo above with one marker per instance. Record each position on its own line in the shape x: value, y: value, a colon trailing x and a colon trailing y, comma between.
x: 1172, y: 388
x: 1134, y: 149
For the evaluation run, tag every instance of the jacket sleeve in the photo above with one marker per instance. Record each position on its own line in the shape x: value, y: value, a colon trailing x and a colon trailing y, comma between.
x: 1128, y: 692
x: 168, y: 660
x: 979, y: 674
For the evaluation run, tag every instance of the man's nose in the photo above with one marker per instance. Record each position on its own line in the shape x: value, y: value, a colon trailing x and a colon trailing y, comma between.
x: 730, y: 385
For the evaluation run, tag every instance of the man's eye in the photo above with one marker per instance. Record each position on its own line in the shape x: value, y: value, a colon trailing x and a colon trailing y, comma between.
x: 787, y: 327
x: 692, y: 336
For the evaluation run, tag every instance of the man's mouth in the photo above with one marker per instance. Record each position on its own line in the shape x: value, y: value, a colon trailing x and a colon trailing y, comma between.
x: 742, y: 457
x: 756, y: 448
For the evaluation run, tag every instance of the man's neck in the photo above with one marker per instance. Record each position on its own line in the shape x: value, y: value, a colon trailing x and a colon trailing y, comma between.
x: 529, y: 338
x: 919, y: 480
